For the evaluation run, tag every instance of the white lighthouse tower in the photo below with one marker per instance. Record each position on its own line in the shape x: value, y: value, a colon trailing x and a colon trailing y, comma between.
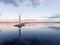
x: 20, y: 24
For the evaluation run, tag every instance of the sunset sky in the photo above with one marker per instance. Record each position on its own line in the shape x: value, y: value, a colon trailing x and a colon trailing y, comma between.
x: 30, y: 9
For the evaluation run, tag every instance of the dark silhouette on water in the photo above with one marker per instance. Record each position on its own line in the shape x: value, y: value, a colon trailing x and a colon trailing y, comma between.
x: 20, y: 24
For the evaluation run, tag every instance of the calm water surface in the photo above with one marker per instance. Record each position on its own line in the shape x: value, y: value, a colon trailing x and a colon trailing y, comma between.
x: 31, y: 34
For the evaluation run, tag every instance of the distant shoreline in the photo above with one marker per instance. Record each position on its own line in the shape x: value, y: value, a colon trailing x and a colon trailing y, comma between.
x: 30, y: 22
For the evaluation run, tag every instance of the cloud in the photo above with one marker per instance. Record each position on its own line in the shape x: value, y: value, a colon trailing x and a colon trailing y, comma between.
x: 18, y: 2
x: 55, y: 16
x: 13, y: 2
x: 35, y: 2
x: 40, y: 1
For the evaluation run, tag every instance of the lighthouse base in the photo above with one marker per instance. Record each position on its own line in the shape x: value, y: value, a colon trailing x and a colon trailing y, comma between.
x: 19, y: 25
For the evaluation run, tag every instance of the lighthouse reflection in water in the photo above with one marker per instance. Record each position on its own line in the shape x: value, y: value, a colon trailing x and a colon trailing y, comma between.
x: 19, y: 31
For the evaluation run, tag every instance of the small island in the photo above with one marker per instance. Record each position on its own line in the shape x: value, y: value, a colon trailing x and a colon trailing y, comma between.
x: 20, y: 24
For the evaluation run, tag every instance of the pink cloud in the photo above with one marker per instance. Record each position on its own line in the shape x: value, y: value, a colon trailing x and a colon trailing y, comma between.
x: 40, y: 1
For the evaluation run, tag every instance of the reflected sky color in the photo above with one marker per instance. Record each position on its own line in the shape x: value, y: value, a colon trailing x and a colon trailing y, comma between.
x: 43, y: 31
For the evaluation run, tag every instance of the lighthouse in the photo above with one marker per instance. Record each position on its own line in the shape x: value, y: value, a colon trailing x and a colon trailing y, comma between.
x: 20, y: 24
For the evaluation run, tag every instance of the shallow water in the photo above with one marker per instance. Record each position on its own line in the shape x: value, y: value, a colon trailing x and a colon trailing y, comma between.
x: 31, y: 34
